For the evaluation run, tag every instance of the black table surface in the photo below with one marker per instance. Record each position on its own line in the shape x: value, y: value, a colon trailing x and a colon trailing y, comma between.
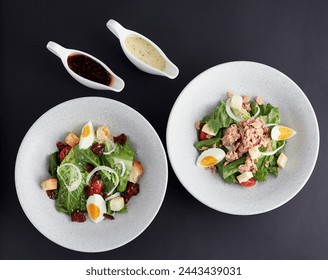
x: 290, y: 36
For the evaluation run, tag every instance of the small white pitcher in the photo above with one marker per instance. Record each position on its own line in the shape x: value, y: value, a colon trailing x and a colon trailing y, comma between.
x: 171, y: 71
x: 117, y: 83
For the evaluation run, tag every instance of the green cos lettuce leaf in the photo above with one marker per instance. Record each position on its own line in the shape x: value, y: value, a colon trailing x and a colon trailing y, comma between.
x: 68, y: 201
x: 268, y: 164
x: 269, y: 114
x: 123, y: 154
x: 230, y: 171
x: 219, y: 118
x: 54, y: 162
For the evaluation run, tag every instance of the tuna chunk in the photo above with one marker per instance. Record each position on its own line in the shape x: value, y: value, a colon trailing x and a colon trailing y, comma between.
x: 251, y: 133
x: 249, y: 165
x: 231, y: 135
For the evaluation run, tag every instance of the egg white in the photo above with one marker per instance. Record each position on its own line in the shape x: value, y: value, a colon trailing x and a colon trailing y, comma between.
x: 86, y: 141
x: 275, y: 132
x: 97, y: 200
x: 217, y: 153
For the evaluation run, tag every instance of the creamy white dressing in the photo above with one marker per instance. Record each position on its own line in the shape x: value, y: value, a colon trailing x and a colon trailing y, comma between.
x: 146, y: 52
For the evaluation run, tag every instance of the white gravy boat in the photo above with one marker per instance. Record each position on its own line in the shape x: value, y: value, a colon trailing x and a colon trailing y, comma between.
x: 117, y: 84
x: 171, y: 71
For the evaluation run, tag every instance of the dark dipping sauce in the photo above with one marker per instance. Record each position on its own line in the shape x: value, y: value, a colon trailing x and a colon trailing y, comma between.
x: 89, y: 69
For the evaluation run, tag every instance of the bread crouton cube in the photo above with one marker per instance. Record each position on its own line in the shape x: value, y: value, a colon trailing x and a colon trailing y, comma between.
x: 49, y: 184
x: 136, y: 172
x: 102, y: 133
x: 282, y: 160
x: 254, y: 153
x: 244, y: 177
x: 71, y: 139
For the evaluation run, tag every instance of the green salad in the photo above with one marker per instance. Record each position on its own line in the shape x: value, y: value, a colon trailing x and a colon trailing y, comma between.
x: 94, y: 174
x: 243, y: 140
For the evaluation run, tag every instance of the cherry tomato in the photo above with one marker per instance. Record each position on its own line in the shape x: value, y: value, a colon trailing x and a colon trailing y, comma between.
x: 64, y: 152
x: 250, y: 183
x: 96, y: 186
x: 202, y: 134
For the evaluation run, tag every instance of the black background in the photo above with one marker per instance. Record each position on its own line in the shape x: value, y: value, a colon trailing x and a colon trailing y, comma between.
x: 288, y: 35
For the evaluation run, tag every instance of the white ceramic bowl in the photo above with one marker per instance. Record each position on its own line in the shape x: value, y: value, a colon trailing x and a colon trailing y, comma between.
x: 32, y: 165
x: 202, y: 95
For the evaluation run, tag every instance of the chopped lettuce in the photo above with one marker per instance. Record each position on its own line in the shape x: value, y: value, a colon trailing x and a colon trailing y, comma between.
x: 268, y: 164
x: 269, y: 114
x: 219, y: 118
x: 68, y: 201
x: 54, y: 162
x: 123, y: 154
x: 230, y: 171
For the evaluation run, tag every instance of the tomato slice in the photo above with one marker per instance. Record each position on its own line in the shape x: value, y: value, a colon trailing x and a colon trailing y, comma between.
x: 64, y: 152
x: 96, y: 186
x: 202, y: 134
x: 250, y: 183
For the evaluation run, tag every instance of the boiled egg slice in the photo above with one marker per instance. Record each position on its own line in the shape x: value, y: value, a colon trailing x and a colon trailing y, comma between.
x: 210, y: 157
x: 87, y: 136
x: 280, y: 132
x: 96, y: 207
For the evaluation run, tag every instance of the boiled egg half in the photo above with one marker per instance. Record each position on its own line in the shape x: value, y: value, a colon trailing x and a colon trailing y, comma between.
x: 280, y: 132
x: 210, y: 157
x: 96, y: 207
x: 87, y: 136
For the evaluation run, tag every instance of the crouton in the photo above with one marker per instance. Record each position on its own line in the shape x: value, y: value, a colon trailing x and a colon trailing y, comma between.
x: 259, y: 100
x: 49, y: 184
x: 71, y: 139
x: 244, y: 177
x: 282, y: 160
x: 136, y: 172
x: 116, y: 203
x: 246, y: 99
x: 254, y: 153
x: 102, y: 133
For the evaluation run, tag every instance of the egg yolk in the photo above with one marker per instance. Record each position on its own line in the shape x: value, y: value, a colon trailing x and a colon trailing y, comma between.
x: 285, y: 133
x: 208, y: 161
x: 93, y: 211
x: 86, y: 131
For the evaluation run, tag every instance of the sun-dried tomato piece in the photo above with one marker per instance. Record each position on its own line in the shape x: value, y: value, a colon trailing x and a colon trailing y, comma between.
x: 107, y: 216
x: 98, y: 149
x: 64, y: 152
x: 78, y: 216
x: 60, y: 145
x: 131, y: 190
x: 121, y: 139
x: 88, y: 191
x: 51, y: 194
x: 89, y: 168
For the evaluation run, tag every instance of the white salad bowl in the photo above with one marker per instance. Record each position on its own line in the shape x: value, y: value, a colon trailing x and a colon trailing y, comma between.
x: 201, y: 96
x: 170, y: 71
x: 63, y: 53
x: 32, y: 167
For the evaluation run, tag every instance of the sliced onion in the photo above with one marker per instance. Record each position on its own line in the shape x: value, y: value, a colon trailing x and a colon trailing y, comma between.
x: 230, y: 113
x: 77, y: 182
x: 270, y: 124
x: 273, y: 152
x: 258, y: 111
x: 112, y: 145
x: 112, y: 196
x: 105, y: 168
x: 123, y: 166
